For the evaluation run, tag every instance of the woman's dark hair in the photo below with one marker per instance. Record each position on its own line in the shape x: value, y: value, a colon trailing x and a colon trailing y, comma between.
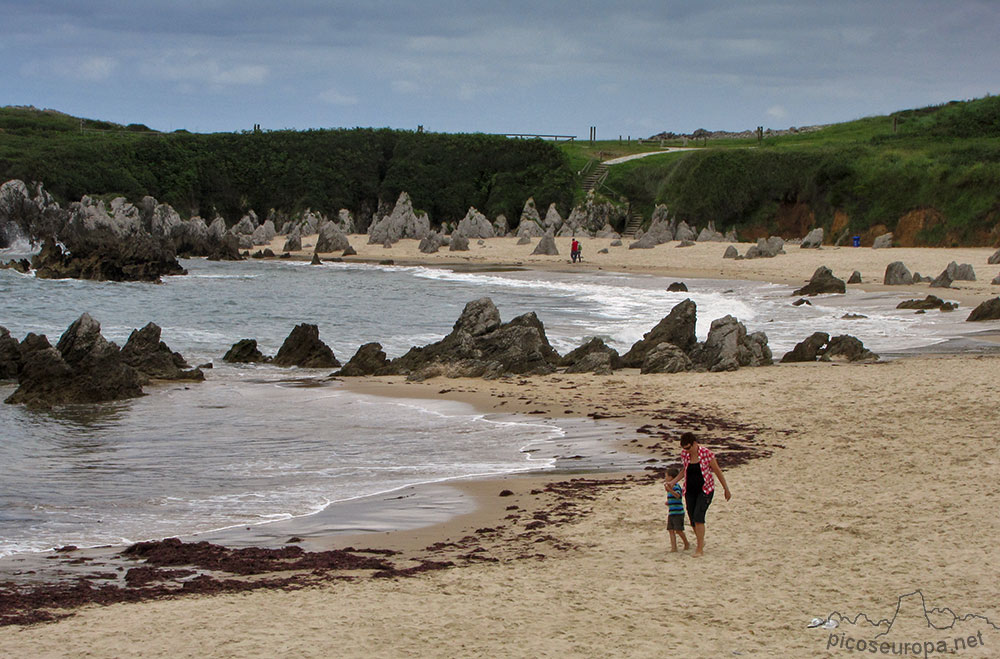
x: 688, y: 438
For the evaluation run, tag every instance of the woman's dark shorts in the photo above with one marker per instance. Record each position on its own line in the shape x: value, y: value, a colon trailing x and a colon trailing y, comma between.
x: 697, y: 505
x: 675, y: 522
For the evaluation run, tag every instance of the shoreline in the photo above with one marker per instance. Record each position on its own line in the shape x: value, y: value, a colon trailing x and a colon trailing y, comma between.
x: 845, y: 514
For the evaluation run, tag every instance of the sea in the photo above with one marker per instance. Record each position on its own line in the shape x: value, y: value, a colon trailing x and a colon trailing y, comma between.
x: 258, y: 444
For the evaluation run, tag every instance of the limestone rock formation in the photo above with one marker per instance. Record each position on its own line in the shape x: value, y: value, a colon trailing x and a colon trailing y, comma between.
x: 897, y: 274
x: 847, y: 348
x: 303, y: 348
x: 808, y: 350
x: 666, y: 358
x: 480, y: 346
x: 245, y: 351
x: 459, y: 243
x: 731, y: 253
x: 822, y: 282
x: 84, y: 367
x: 766, y: 248
x: 546, y: 246
x: 728, y: 347
x: 401, y: 223
x: 331, y: 238
x: 988, y: 310
x: 813, y: 239
x: 929, y: 302
x: 676, y: 328
x: 594, y: 345
x: 152, y: 358
x: 475, y: 225
x: 883, y: 241
x: 370, y: 359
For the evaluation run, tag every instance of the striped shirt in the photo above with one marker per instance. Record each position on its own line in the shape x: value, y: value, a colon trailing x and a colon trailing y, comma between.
x: 674, y: 501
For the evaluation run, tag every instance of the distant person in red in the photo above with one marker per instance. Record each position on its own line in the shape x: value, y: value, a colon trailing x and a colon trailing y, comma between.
x: 574, y: 250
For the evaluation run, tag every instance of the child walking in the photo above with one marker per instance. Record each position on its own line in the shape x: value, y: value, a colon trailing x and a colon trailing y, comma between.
x: 675, y: 510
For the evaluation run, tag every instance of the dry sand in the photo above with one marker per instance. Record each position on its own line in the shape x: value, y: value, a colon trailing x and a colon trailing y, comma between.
x: 881, y: 481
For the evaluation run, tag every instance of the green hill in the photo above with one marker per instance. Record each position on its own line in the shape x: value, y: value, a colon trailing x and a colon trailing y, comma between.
x: 325, y: 170
x: 931, y: 176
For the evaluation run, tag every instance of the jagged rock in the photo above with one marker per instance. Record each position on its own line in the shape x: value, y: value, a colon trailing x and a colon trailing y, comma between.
x: 897, y: 274
x: 883, y: 241
x: 303, y: 348
x: 316, y: 260
x: 345, y: 221
x: 403, y: 222
x: 479, y: 346
x: 808, y: 350
x: 996, y: 280
x: 813, y: 239
x: 994, y: 259
x: 677, y: 327
x: 263, y: 254
x: 246, y: 226
x: 801, y: 301
x: 191, y: 238
x: 84, y: 367
x: 264, y: 234
x: 598, y: 363
x: 152, y: 358
x: 595, y: 345
x: 10, y: 355
x: 349, y: 251
x: 685, y: 243
x: 847, y: 348
x: 684, y: 232
x: 217, y: 229
x: 603, y: 251
x: 525, y: 239
x: 929, y: 302
x: 962, y: 272
x: 709, y: 234
x: 855, y: 278
x: 430, y: 243
x: 607, y: 231
x: 245, y: 351
x: 546, y: 246
x: 370, y: 359
x: 293, y: 243
x: 459, y: 243
x: 500, y: 226
x: 646, y: 241
x: 943, y: 280
x: 677, y: 287
x: 475, y: 225
x: 988, y: 310
x: 530, y: 214
x: 666, y: 358
x: 615, y: 243
x: 768, y: 248
x: 730, y: 253
x: 553, y: 220
x: 728, y: 347
x: 331, y: 239
x: 227, y: 249
x: 822, y: 282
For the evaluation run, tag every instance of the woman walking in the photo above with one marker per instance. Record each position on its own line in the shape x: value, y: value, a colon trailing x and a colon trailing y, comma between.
x: 699, y: 476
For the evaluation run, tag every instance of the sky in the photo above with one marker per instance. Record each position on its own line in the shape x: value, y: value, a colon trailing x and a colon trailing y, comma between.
x: 629, y: 68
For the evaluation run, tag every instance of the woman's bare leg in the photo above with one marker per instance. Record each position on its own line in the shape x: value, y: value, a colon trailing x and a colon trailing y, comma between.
x: 699, y: 533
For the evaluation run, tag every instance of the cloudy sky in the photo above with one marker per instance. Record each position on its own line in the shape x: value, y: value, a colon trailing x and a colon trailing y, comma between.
x: 627, y: 67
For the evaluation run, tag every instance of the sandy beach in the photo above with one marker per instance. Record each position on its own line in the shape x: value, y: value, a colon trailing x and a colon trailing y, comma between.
x: 857, y: 489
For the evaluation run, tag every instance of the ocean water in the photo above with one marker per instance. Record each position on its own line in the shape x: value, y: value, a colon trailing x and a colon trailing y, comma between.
x: 255, y: 444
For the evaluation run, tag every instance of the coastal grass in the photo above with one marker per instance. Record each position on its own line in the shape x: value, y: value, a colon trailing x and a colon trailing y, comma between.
x: 942, y: 161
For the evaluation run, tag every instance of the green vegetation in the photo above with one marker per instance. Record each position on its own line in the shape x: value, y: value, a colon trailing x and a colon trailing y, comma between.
x: 935, y: 168
x: 325, y: 170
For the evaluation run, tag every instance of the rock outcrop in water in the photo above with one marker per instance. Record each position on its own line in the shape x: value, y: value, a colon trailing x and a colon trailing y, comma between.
x: 370, y: 359
x: 822, y: 282
x: 819, y: 346
x: 245, y: 351
x: 303, y: 348
x: 479, y: 345
x: 84, y: 367
x: 10, y: 355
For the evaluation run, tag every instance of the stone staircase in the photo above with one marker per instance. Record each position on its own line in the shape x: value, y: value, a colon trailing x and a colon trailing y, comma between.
x: 632, y: 224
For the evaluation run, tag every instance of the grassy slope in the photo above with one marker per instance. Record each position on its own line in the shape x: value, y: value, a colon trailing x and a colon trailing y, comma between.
x: 940, y: 167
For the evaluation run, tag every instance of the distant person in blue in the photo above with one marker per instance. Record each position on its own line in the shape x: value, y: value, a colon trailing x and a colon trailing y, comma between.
x: 675, y: 510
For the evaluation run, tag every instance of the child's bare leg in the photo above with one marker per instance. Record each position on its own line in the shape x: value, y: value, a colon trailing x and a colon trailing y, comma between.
x: 673, y: 540
x: 687, y: 545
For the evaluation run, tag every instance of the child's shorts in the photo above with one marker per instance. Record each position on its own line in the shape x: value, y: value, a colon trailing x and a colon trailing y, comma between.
x: 675, y: 522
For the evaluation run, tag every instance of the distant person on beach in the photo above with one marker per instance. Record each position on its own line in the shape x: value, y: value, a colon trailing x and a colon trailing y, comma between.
x: 574, y: 250
x: 675, y: 510
x: 699, y: 484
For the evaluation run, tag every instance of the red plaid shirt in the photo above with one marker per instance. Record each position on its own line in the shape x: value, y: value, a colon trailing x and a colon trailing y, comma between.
x: 705, y: 459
